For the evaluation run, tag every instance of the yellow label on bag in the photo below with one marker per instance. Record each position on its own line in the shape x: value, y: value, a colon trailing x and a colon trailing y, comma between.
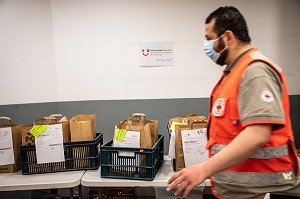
x: 120, y: 134
x: 174, y: 124
x: 37, y: 130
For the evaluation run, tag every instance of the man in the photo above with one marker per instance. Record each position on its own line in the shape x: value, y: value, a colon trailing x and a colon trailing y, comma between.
x: 250, y: 138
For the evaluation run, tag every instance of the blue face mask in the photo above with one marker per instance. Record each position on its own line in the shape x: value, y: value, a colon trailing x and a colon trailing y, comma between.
x: 208, y: 48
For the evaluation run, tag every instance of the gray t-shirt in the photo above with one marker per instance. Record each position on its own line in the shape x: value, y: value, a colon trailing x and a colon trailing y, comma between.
x: 260, y: 95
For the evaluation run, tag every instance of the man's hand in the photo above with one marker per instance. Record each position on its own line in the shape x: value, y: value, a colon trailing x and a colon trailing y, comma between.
x: 246, y: 143
x: 187, y: 179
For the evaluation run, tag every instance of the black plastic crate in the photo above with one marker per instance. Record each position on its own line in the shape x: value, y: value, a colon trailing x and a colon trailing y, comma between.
x: 132, y: 163
x: 83, y: 155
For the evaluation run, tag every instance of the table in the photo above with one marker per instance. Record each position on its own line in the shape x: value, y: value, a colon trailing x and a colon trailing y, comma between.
x: 92, y: 178
x: 58, y: 180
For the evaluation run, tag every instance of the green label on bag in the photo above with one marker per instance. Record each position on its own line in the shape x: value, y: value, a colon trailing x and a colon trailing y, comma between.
x: 37, y: 130
x: 120, y: 134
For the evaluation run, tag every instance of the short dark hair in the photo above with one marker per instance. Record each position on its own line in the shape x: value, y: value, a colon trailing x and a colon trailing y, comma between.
x: 230, y: 18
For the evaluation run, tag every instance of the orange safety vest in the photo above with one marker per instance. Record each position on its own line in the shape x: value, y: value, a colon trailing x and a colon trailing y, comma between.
x: 274, y: 164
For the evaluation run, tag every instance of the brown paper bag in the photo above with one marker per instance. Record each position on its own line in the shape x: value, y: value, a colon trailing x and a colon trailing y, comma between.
x: 83, y: 127
x: 28, y: 138
x: 17, y: 140
x: 154, y: 130
x: 65, y: 126
x: 138, y: 124
x: 192, y: 124
x: 153, y: 124
x: 184, y: 119
x: 179, y: 120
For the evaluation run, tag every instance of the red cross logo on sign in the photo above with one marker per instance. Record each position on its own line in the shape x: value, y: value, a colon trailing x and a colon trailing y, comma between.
x: 219, y: 107
x: 267, y: 96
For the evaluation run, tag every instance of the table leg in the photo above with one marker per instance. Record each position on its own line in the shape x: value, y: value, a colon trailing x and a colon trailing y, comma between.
x: 71, y: 193
x: 79, y: 191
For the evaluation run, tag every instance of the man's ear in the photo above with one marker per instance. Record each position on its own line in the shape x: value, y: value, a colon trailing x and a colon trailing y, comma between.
x: 229, y: 37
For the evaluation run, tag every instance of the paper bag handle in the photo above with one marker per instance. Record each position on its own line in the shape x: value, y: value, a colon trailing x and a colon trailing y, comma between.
x: 58, y: 115
x: 188, y: 115
x: 46, y: 118
x: 5, y: 118
x: 49, y: 117
x: 192, y: 122
x: 140, y: 116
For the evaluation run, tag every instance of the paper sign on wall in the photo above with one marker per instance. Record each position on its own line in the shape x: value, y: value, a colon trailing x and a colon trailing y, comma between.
x: 49, y: 145
x: 6, y: 146
x: 193, y: 143
x: 159, y: 53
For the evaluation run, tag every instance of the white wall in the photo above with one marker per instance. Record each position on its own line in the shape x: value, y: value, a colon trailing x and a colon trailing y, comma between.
x: 27, y: 66
x: 96, y: 46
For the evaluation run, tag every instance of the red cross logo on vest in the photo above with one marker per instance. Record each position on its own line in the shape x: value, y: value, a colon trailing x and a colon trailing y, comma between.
x: 267, y: 96
x: 219, y: 107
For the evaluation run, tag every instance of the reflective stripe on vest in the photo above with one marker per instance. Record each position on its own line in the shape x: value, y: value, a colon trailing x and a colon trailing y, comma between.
x: 256, y: 178
x: 263, y: 153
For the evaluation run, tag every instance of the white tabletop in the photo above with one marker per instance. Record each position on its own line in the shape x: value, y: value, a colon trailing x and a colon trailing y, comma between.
x: 92, y: 178
x: 17, y: 181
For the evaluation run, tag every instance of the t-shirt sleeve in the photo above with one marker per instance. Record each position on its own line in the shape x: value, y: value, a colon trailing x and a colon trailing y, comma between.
x: 260, y: 96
